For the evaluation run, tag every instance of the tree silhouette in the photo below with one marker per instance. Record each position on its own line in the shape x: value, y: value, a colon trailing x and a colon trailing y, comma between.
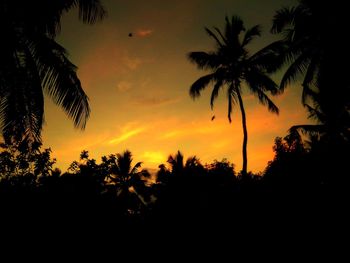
x: 127, y: 180
x: 176, y: 162
x: 329, y: 127
x: 306, y: 30
x: 178, y: 167
x: 310, y: 54
x: 33, y: 63
x: 231, y: 65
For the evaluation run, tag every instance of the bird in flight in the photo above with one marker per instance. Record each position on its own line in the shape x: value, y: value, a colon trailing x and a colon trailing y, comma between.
x: 130, y: 34
x: 212, y: 118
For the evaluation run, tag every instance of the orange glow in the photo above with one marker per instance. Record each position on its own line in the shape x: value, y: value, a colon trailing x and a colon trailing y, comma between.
x: 138, y: 88
x: 154, y: 158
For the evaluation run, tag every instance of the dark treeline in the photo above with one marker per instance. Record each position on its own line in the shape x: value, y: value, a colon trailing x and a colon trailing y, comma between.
x: 304, y: 189
x: 182, y: 192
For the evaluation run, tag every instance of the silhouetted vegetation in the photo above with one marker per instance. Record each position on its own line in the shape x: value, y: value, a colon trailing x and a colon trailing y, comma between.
x: 32, y: 64
x: 307, y: 180
x: 230, y: 66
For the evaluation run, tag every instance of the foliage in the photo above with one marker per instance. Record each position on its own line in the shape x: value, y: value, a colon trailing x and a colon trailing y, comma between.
x: 18, y: 160
x: 230, y: 66
x: 32, y: 64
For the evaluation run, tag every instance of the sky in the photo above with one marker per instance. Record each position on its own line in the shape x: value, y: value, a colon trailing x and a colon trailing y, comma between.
x: 139, y: 86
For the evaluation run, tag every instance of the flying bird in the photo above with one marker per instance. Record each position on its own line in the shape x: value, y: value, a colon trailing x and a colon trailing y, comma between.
x: 130, y: 34
x: 212, y: 118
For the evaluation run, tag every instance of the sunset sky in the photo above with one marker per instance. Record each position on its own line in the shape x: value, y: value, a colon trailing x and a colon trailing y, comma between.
x: 138, y: 86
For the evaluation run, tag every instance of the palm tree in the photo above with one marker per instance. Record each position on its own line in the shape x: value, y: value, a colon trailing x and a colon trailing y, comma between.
x: 177, y: 163
x: 190, y: 167
x: 311, y: 54
x: 307, y: 31
x: 231, y: 65
x: 127, y: 179
x: 332, y: 124
x: 33, y: 63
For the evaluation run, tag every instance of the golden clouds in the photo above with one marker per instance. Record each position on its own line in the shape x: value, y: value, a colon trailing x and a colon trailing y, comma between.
x: 127, y: 133
x: 144, y: 32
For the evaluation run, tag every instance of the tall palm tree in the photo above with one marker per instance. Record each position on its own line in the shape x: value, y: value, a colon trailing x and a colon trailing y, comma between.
x: 231, y: 65
x: 33, y: 63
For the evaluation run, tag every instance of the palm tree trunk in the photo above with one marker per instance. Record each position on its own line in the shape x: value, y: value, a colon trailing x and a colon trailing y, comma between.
x: 245, y: 135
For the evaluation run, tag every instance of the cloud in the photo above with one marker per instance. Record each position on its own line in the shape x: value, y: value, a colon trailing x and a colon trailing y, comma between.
x: 153, y: 101
x: 125, y: 135
x: 124, y: 86
x: 144, y: 32
x: 129, y: 130
x: 193, y: 129
x: 106, y: 61
x: 132, y: 63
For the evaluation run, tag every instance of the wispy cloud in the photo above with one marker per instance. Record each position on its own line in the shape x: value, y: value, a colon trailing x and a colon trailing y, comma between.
x: 153, y: 101
x: 199, y: 128
x: 144, y: 32
x: 126, y: 135
x: 124, y: 86
x: 131, y: 63
x: 126, y: 132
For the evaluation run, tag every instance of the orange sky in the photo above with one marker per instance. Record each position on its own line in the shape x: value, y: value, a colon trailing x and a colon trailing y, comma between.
x: 138, y: 86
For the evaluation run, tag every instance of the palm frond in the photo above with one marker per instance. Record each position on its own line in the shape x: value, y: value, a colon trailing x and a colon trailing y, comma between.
x: 257, y: 79
x: 200, y: 84
x: 250, y: 34
x: 90, y: 11
x: 265, y: 100
x: 22, y: 102
x: 296, y: 69
x: 310, y: 75
x: 314, y: 113
x: 221, y: 35
x: 235, y: 27
x: 124, y: 161
x: 231, y: 97
x: 204, y: 60
x: 60, y: 80
x: 136, y: 167
x: 215, y: 92
x: 283, y: 18
x: 212, y: 34
x: 270, y: 58
x: 308, y: 129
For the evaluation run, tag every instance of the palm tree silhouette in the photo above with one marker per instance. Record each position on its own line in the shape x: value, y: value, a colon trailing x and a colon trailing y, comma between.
x: 178, y: 167
x: 310, y: 52
x: 231, y: 65
x: 306, y: 30
x: 33, y: 63
x: 177, y: 163
x: 332, y: 125
x: 127, y: 179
